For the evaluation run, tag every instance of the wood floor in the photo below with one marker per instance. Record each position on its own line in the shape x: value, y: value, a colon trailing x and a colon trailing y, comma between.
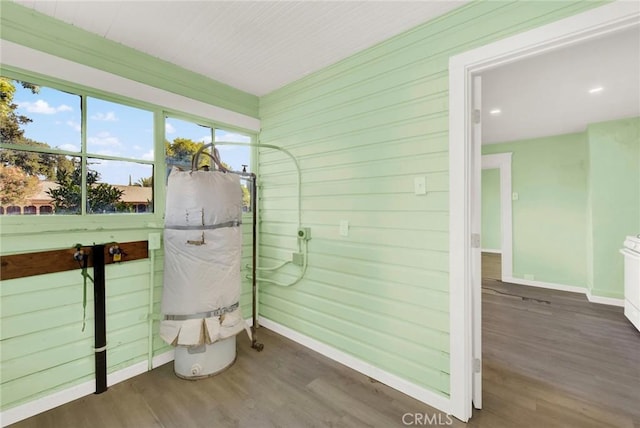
x: 551, y: 359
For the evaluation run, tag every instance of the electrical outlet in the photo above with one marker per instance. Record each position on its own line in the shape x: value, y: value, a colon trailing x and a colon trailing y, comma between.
x: 344, y: 227
x: 304, y: 233
x: 297, y: 259
x: 420, y: 185
x: 154, y: 241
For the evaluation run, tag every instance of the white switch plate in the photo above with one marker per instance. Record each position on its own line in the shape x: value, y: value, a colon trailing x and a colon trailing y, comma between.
x: 515, y: 196
x: 420, y: 185
x: 154, y: 241
x: 344, y: 227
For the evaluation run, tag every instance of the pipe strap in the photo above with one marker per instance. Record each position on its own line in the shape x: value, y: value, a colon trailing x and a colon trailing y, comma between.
x: 214, y: 313
x: 233, y: 223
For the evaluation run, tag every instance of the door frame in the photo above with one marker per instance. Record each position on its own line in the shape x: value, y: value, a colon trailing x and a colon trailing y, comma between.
x: 463, y: 173
x: 502, y: 162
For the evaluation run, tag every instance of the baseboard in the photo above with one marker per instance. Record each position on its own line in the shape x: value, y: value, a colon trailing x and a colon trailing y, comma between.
x: 613, y: 301
x: 419, y: 393
x: 163, y: 358
x: 32, y: 408
x: 570, y: 288
x: 549, y: 285
x: 489, y: 250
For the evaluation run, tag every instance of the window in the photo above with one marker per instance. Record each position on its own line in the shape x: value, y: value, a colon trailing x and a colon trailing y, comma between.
x: 184, y: 139
x: 48, y: 162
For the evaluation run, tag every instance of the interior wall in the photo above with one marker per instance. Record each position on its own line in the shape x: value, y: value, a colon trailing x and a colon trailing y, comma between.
x: 614, y: 208
x: 362, y: 130
x: 549, y: 218
x: 44, y: 350
x: 491, y: 229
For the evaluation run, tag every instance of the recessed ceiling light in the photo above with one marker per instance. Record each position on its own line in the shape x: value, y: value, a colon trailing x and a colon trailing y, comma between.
x: 495, y: 112
x: 596, y: 90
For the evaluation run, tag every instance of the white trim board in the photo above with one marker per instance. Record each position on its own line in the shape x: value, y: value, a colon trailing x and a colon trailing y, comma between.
x: 32, y: 408
x: 49, y: 65
x: 488, y: 250
x: 502, y: 161
x: 463, y: 173
x: 547, y: 285
x: 419, y: 393
x: 612, y: 301
x: 605, y: 300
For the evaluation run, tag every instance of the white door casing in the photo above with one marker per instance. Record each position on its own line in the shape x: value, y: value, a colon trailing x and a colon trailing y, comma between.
x: 502, y: 161
x: 593, y: 23
x: 476, y: 247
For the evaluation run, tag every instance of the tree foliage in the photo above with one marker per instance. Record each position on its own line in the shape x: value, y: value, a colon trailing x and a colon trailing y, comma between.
x: 15, y: 185
x: 67, y: 197
x: 12, y: 132
x: 181, y: 151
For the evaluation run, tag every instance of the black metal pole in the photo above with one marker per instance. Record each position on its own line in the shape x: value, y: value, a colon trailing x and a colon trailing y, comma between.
x: 254, y: 328
x: 100, y: 318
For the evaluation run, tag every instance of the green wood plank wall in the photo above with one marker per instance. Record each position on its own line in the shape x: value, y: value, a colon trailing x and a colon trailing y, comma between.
x: 362, y: 129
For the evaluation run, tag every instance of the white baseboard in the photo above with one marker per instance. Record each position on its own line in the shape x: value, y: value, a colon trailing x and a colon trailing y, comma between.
x: 570, y: 288
x: 162, y: 359
x: 549, y: 285
x: 605, y: 300
x: 492, y: 251
x: 419, y: 393
x: 32, y: 408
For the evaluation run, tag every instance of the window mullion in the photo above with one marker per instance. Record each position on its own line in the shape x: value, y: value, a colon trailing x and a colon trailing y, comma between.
x: 83, y: 151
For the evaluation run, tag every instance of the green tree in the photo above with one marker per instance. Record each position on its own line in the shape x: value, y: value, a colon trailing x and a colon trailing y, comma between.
x: 144, y: 182
x: 12, y: 132
x: 15, y: 185
x: 101, y: 197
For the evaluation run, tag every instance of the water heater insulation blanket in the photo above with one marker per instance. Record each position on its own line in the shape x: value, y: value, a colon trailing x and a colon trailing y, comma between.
x: 203, y: 250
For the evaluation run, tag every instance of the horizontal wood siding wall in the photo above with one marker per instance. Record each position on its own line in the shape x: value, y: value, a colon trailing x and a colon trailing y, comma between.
x: 43, y: 347
x: 362, y: 129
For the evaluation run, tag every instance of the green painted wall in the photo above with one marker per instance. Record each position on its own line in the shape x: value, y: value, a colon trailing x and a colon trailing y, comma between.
x: 491, y: 231
x: 614, y: 209
x: 549, y: 218
x: 43, y: 348
x: 362, y: 129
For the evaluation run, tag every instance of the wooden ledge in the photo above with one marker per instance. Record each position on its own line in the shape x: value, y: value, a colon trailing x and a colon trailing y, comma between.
x: 43, y: 262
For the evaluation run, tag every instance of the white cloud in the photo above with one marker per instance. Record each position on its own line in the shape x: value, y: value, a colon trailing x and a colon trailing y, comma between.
x: 104, y: 139
x: 69, y: 147
x: 42, y: 107
x: 74, y: 125
x: 206, y: 139
x: 105, y: 117
x: 231, y: 137
x: 148, y: 155
x: 169, y: 128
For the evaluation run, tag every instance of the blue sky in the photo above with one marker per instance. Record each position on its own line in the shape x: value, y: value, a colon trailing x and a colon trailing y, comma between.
x: 112, y: 130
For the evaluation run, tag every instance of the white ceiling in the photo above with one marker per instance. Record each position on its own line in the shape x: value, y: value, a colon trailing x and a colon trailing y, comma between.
x: 255, y: 46
x: 549, y: 94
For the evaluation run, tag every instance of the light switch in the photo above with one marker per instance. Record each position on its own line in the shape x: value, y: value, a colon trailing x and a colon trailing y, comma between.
x: 515, y: 196
x: 420, y: 185
x: 344, y: 228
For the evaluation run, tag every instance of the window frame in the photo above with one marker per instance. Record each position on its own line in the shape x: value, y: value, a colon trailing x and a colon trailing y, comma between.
x: 21, y: 224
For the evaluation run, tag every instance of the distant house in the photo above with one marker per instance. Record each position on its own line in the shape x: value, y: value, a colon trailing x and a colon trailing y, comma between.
x: 139, y: 198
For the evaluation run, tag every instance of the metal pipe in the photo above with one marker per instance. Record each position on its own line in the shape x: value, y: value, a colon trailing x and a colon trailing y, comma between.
x: 100, y: 318
x: 254, y: 289
x: 152, y: 281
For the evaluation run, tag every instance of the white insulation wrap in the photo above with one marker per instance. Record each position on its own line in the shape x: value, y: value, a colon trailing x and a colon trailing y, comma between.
x: 203, y: 249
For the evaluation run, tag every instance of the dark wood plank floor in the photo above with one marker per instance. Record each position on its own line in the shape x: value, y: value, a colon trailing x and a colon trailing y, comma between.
x: 551, y: 359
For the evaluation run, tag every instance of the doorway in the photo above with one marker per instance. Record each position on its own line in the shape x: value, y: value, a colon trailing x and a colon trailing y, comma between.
x: 465, y: 174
